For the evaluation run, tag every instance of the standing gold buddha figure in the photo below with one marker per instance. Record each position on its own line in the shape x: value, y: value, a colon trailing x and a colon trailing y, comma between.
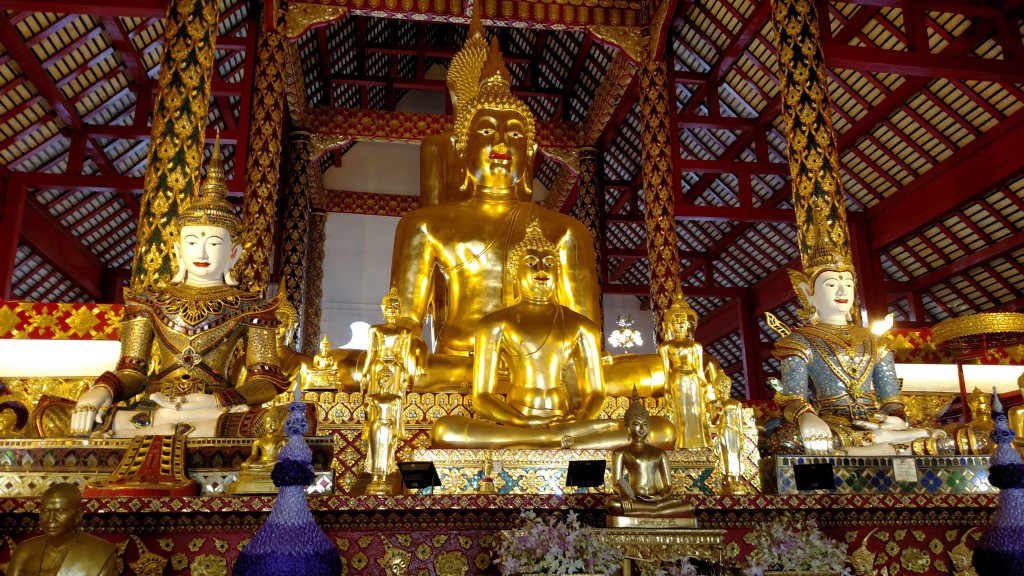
x: 685, y: 385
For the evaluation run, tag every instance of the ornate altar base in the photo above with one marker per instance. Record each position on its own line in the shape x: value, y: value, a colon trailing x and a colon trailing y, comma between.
x: 452, y: 535
x: 886, y: 474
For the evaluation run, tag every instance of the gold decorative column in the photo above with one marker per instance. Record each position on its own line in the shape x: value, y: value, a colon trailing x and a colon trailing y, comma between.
x: 175, y: 154
x: 302, y: 178
x: 659, y: 215
x: 589, y: 201
x: 813, y: 160
x: 314, y: 281
x: 264, y: 157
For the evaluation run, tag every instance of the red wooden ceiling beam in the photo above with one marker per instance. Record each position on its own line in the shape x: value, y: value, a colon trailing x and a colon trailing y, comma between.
x: 125, y: 8
x: 51, y: 241
x: 129, y: 55
x: 977, y: 168
x: 879, y: 60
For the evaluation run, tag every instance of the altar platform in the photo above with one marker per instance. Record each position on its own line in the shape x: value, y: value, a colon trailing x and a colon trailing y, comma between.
x: 452, y: 535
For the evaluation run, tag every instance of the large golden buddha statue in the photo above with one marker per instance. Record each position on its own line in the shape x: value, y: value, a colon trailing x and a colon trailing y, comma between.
x: 553, y: 360
x: 469, y: 240
x: 177, y: 343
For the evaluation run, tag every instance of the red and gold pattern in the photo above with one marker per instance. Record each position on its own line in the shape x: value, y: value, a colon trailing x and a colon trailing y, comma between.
x: 56, y: 321
x: 179, y: 123
x: 413, y: 127
x: 371, y: 204
x: 303, y: 176
x: 616, y: 81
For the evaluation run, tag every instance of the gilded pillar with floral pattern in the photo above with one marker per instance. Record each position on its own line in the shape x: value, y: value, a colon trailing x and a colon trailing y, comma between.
x: 264, y: 157
x: 659, y: 215
x: 302, y: 177
x: 175, y: 158
x: 314, y: 281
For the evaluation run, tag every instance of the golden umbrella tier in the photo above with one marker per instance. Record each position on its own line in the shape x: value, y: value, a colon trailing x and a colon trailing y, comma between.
x: 970, y: 333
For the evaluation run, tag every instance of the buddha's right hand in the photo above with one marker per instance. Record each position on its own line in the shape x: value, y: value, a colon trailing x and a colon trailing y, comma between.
x: 91, y: 409
x: 815, y: 433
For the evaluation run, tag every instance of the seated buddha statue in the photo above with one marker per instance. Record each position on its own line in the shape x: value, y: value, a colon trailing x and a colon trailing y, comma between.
x: 839, y: 390
x: 685, y: 384
x: 641, y: 477
x: 392, y: 361
x: 177, y: 342
x: 254, y: 474
x: 63, y: 549
x: 539, y: 341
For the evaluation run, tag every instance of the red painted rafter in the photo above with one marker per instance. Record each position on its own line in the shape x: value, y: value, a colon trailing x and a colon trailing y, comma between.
x: 125, y: 8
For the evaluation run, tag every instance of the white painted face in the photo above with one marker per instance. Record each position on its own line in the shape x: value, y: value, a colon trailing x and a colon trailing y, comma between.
x: 207, y: 253
x: 833, y: 296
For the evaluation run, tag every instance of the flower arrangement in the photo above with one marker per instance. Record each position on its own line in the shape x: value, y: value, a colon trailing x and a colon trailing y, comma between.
x: 797, y: 546
x: 553, y: 546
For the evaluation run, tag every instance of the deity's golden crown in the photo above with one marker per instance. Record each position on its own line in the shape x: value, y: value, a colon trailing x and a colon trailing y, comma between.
x: 478, y: 79
x: 829, y: 245
x: 636, y: 408
x: 211, y: 206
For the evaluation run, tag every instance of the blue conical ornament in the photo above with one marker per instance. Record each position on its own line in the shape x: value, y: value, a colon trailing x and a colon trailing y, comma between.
x: 290, y: 541
x: 1000, y: 550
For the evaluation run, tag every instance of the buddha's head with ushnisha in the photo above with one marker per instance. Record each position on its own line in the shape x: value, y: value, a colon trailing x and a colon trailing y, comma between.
x: 534, y: 262
x: 495, y: 133
x: 209, y: 242
x: 680, y: 319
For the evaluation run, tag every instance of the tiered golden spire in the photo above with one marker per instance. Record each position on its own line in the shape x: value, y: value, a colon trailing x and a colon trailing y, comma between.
x: 211, y: 207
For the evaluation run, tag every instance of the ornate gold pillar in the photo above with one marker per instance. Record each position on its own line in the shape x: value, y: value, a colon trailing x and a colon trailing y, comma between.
x: 659, y: 216
x: 314, y: 281
x: 175, y: 154
x: 302, y: 178
x: 813, y: 160
x: 264, y: 157
x: 590, y: 198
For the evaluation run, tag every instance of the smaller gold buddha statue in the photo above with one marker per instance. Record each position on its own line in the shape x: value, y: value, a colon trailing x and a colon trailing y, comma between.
x: 323, y: 359
x: 254, y: 477
x: 62, y: 549
x: 539, y: 341
x: 641, y: 479
x: 725, y: 416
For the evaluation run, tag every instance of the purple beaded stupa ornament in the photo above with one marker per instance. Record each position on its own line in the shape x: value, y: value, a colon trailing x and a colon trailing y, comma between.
x: 290, y: 541
x: 1000, y: 551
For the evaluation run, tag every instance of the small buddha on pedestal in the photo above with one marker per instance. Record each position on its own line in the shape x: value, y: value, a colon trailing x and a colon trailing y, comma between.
x: 641, y: 479
x: 254, y: 478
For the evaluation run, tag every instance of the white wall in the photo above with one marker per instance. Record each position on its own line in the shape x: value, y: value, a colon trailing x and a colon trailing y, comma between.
x: 357, y: 272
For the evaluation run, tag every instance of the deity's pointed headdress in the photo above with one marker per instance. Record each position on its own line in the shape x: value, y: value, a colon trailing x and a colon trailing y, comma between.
x: 636, y: 408
x: 479, y: 79
x: 211, y: 206
x: 824, y: 241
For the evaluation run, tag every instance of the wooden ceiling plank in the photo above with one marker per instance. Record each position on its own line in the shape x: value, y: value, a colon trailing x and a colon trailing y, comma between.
x: 878, y: 60
x: 978, y: 168
x: 990, y: 252
x: 126, y: 8
x: 133, y: 63
x: 72, y: 46
x: 736, y: 48
x: 31, y: 67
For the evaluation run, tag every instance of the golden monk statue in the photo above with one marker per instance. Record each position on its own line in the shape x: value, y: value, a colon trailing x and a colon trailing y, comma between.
x: 540, y: 342
x: 62, y: 549
x: 641, y: 477
x: 177, y: 343
x: 683, y: 360
x: 839, y: 389
x: 391, y: 363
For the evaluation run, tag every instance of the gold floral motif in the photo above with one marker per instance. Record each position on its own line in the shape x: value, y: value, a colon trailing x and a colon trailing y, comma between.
x: 632, y: 41
x: 451, y: 564
x: 179, y: 561
x: 196, y: 544
x: 209, y: 565
x: 423, y: 551
x: 301, y: 17
x: 314, y: 281
x: 915, y: 560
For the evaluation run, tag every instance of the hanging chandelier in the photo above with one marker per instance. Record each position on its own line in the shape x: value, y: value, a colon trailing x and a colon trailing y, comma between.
x: 625, y: 336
